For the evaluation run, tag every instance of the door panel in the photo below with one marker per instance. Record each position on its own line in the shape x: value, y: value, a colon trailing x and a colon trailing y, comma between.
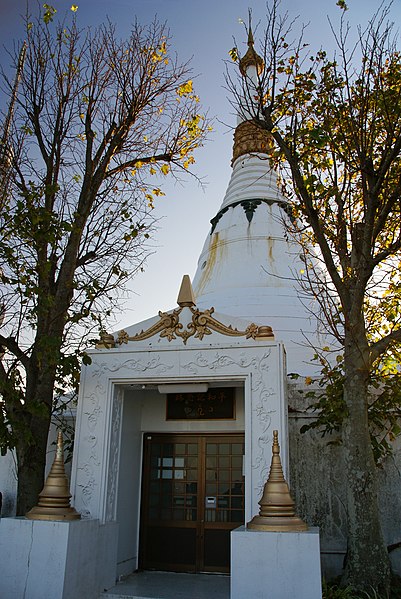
x: 169, y: 527
x: 193, y: 496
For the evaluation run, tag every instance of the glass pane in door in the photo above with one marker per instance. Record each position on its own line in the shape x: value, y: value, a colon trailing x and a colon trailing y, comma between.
x: 174, y: 482
x: 225, y: 482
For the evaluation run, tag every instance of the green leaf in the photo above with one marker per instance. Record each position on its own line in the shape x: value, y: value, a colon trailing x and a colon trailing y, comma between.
x: 87, y: 360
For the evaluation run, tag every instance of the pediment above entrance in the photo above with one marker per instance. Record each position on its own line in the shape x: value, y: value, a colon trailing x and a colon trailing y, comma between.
x: 187, y: 323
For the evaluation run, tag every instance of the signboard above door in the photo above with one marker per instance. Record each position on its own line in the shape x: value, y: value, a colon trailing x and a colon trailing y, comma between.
x: 215, y: 404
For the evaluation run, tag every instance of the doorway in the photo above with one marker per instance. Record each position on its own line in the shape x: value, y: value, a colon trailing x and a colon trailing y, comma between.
x: 193, y: 496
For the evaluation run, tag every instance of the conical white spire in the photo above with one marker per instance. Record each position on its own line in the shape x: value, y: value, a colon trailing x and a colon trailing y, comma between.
x: 248, y: 267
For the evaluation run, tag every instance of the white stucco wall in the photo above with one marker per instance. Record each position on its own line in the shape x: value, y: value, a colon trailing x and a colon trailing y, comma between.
x: 119, y: 401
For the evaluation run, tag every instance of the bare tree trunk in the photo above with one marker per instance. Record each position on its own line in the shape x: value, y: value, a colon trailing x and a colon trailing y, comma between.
x: 368, y: 565
x: 31, y: 459
x: 31, y: 447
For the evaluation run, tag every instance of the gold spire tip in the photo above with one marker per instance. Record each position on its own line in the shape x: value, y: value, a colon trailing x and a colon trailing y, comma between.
x: 250, y: 37
x: 186, y: 295
x: 251, y: 58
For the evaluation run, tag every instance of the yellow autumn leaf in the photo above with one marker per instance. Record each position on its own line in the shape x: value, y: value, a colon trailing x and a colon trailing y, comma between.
x: 149, y: 197
x: 233, y: 54
x: 74, y: 8
x: 185, y: 88
x: 165, y: 169
x: 190, y: 160
x: 152, y: 170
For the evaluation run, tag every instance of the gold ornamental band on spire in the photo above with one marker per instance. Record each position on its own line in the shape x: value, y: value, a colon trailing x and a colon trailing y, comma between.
x: 249, y: 138
x: 54, y: 499
x: 277, y: 508
x: 251, y: 58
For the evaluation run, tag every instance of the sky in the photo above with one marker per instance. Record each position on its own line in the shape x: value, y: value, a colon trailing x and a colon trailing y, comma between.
x: 202, y: 31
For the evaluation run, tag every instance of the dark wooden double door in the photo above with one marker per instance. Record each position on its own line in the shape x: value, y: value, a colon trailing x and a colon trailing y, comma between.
x: 193, y: 496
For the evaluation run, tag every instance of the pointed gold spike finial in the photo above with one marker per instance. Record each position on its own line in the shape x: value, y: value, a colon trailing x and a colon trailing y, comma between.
x: 251, y: 58
x: 277, y: 508
x: 54, y: 499
x: 186, y: 295
x: 251, y: 41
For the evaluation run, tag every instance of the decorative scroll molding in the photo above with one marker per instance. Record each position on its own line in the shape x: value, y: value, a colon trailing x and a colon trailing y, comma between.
x: 133, y: 365
x: 202, y: 323
x: 214, y: 363
x: 262, y: 415
x: 87, y: 480
x: 106, y: 341
x: 114, y: 461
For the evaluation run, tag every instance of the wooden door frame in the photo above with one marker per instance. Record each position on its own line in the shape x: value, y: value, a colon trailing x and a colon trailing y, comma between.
x: 201, y: 525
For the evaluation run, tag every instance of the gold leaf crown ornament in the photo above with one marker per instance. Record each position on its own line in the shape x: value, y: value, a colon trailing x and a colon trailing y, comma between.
x: 249, y: 138
x: 277, y: 508
x: 251, y: 58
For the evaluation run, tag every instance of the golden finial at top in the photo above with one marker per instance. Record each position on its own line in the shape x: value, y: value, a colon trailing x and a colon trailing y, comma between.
x: 251, y: 58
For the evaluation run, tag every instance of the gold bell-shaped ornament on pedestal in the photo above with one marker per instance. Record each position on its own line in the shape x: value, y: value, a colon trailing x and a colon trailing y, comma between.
x: 277, y: 508
x: 54, y: 499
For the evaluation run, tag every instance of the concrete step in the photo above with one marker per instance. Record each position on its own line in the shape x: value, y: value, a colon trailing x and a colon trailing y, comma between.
x: 170, y: 585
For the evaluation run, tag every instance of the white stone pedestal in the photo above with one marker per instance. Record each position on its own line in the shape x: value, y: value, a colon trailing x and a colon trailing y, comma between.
x: 275, y: 565
x: 56, y: 560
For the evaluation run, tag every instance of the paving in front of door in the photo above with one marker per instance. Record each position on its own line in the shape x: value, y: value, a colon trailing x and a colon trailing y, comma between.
x: 170, y: 585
